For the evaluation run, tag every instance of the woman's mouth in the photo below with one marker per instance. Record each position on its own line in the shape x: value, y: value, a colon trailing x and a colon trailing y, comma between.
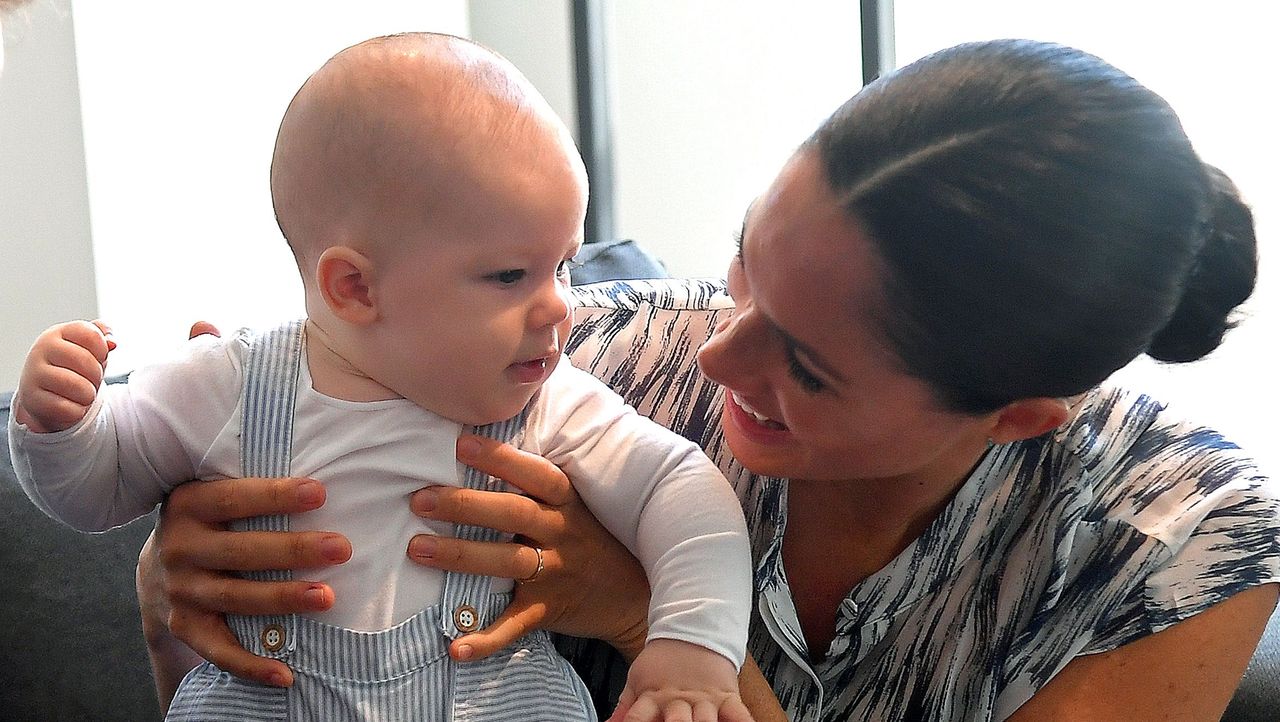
x: 758, y: 417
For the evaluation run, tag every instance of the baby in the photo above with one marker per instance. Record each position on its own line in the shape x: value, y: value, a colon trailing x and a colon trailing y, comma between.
x: 433, y: 202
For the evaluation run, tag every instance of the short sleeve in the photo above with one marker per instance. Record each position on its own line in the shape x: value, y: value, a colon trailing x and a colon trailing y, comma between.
x: 1217, y: 519
x: 1235, y: 546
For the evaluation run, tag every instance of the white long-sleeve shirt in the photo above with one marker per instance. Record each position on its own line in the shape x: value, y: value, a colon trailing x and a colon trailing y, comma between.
x: 180, y: 420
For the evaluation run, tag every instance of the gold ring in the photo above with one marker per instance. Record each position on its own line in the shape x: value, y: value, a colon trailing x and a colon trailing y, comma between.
x: 537, y: 570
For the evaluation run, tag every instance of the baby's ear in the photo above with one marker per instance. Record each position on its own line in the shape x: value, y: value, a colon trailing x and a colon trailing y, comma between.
x: 344, y: 277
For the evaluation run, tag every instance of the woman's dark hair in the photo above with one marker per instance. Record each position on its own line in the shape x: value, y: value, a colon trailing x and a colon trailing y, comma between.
x: 1041, y: 219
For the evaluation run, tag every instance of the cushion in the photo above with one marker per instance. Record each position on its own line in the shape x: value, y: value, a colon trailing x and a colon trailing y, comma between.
x: 70, y: 632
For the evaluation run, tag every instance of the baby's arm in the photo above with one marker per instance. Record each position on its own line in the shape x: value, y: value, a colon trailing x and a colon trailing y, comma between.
x: 662, y: 498
x: 97, y: 456
x: 61, y: 375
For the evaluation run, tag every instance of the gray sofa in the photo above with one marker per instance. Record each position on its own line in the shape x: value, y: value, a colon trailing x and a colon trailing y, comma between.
x: 71, y: 641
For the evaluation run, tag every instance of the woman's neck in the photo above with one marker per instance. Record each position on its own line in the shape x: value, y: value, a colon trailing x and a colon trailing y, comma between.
x: 889, y: 512
x: 334, y: 375
x: 839, y: 533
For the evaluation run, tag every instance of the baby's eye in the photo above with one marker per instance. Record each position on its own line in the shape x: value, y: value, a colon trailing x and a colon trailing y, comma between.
x: 508, y: 277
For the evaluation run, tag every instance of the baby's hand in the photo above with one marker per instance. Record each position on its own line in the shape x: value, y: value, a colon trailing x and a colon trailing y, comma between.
x: 674, y: 680
x: 61, y: 376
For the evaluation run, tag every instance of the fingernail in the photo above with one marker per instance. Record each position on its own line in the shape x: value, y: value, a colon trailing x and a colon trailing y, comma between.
x: 465, y: 651
x: 468, y: 448
x: 277, y: 679
x: 423, y: 547
x: 310, y: 494
x: 426, y: 499
x: 315, y: 597
x: 334, y: 549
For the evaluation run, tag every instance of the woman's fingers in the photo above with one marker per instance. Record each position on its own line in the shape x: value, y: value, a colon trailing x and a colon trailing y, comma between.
x: 538, y: 477
x: 200, y: 328
x: 507, y: 560
x: 223, y: 500
x: 214, y: 641
x: 193, y: 515
x: 515, y: 622
x: 245, y: 551
x: 233, y: 595
x: 509, y: 513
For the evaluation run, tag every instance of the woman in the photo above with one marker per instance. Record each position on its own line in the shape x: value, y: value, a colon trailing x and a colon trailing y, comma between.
x: 952, y: 518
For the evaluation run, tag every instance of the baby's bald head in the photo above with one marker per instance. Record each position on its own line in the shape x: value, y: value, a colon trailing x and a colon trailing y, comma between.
x: 375, y: 141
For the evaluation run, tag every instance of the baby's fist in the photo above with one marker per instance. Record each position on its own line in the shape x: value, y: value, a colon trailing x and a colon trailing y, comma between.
x: 61, y: 376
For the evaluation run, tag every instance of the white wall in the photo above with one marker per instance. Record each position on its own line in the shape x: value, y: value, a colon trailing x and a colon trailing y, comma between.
x: 181, y: 102
x: 45, y: 246
x: 1215, y: 65
x: 537, y: 37
x: 711, y: 98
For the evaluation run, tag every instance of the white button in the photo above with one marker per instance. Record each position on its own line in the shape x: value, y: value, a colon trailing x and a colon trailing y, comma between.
x: 273, y: 637
x: 466, y: 618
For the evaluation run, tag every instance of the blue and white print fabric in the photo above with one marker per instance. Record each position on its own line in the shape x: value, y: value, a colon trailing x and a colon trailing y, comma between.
x: 1122, y: 522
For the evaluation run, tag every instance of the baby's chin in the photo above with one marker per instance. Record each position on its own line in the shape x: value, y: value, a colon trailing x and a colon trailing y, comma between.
x: 493, y: 413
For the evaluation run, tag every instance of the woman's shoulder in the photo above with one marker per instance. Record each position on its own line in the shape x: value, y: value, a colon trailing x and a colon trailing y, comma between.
x: 1144, y: 464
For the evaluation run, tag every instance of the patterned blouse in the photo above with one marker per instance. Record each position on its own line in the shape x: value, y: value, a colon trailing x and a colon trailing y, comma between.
x: 1120, y: 523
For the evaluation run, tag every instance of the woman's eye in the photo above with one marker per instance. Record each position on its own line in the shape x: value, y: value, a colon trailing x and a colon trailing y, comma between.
x: 508, y: 277
x: 566, y: 266
x: 802, y: 375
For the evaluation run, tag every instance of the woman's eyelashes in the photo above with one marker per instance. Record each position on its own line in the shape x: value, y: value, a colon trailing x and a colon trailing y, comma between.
x: 567, y: 266
x: 803, y: 376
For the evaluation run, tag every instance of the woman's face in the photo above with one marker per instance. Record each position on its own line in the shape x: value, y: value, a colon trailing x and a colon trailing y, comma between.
x: 811, y: 391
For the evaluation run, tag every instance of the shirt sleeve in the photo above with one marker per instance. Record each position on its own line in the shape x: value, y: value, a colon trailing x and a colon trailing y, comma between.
x: 1217, y: 517
x: 664, y: 499
x: 137, y: 441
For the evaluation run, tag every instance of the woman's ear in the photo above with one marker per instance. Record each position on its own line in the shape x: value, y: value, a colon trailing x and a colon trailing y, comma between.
x: 1028, y: 418
x: 345, y: 279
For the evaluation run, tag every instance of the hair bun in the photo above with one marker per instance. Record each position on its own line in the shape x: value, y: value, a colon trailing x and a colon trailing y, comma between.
x: 1222, y: 277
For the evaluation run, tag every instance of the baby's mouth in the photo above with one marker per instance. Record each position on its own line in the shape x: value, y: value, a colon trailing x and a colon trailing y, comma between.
x: 534, y: 370
x: 760, y: 418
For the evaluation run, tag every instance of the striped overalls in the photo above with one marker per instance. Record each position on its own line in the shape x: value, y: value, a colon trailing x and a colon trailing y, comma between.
x: 402, y: 673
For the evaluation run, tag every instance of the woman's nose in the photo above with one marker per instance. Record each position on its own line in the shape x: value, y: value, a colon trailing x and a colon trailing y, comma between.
x: 733, y: 353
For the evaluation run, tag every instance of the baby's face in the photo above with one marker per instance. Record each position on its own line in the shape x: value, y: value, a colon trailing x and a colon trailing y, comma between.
x: 476, y: 303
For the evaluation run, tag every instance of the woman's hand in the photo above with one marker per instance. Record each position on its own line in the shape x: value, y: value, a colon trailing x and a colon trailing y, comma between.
x: 589, y: 585
x: 185, y: 572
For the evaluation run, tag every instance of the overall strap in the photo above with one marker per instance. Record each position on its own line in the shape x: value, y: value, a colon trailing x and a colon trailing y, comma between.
x: 271, y: 374
x: 466, y: 599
